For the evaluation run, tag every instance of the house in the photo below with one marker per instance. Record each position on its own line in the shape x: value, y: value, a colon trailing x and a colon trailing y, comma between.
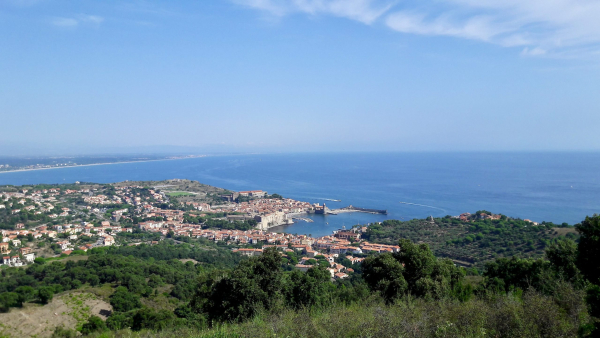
x: 30, y: 257
x: 340, y: 275
x: 109, y: 240
x: 64, y: 245
x: 15, y: 261
x: 4, y: 249
x: 348, y: 235
x: 303, y: 267
x: 249, y: 252
x: 16, y: 242
x: 253, y: 193
x: 25, y: 251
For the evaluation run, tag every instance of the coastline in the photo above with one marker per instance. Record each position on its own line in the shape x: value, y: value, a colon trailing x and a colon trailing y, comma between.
x: 94, y: 164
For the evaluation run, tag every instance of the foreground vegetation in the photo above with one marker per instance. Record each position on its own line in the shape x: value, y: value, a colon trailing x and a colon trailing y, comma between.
x: 410, y: 293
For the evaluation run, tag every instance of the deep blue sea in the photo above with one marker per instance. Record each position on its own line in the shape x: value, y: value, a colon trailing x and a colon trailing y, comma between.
x: 557, y: 187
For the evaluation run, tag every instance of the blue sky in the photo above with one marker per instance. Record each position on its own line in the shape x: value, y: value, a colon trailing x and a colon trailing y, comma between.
x: 300, y: 75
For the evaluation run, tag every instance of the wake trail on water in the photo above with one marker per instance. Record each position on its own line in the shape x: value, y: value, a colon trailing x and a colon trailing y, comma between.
x: 423, y: 205
x: 323, y: 199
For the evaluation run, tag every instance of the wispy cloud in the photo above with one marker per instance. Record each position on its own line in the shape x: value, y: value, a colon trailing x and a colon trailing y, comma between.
x: 365, y: 11
x: 70, y: 22
x: 65, y: 22
x: 537, y: 27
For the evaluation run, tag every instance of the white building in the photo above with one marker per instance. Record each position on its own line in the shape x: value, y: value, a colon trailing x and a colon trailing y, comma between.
x: 30, y: 257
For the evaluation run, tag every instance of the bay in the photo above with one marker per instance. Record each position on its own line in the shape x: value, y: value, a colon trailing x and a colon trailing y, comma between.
x: 556, y: 187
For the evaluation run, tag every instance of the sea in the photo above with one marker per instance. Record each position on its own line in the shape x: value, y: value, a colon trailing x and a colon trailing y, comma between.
x: 554, y: 187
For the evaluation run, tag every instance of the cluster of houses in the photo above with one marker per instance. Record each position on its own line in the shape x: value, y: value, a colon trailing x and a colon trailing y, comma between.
x: 267, y: 213
x: 25, y: 256
x: 328, y: 247
x: 126, y: 195
x: 38, y: 202
x: 73, y: 230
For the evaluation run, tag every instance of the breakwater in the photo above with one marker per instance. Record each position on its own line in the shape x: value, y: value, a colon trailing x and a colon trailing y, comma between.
x: 352, y: 208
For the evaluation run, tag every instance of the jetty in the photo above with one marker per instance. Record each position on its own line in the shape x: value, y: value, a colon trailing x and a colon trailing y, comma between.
x: 352, y: 208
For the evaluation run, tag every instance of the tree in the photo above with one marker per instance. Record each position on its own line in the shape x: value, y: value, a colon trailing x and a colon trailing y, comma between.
x: 308, y: 289
x: 94, y: 324
x: 45, y: 294
x: 384, y: 273
x: 415, y: 270
x: 562, y: 254
x: 426, y: 274
x: 589, y: 248
x: 8, y: 300
x: 61, y: 332
x: 255, y: 284
x: 118, y: 321
x: 123, y: 300
x: 26, y: 293
x: 155, y: 281
x: 150, y: 319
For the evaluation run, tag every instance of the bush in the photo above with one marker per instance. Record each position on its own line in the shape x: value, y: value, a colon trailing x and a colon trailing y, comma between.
x: 94, y: 324
x: 61, y: 332
x: 45, y: 294
x: 123, y: 300
x: 8, y: 300
x: 118, y: 321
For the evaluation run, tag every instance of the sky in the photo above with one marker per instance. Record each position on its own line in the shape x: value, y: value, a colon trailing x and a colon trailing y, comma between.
x: 299, y: 75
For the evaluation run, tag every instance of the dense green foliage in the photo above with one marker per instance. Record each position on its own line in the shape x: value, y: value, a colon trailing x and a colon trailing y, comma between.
x: 259, y: 285
x: 414, y: 270
x: 215, y: 221
x: 475, y: 242
x: 589, y: 248
x: 128, y: 266
x: 511, y: 316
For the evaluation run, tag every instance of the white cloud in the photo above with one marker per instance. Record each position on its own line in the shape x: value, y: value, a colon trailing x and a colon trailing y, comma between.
x: 65, y: 22
x: 543, y: 26
x: 556, y: 27
x: 365, y: 11
x: 91, y: 19
x: 476, y: 28
x: 77, y: 20
x: 533, y: 51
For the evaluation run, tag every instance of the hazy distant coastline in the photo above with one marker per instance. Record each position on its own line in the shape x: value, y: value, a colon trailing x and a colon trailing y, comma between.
x: 20, y: 169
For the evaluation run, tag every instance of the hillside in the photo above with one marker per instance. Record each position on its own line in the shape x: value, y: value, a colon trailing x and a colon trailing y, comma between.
x: 473, y: 242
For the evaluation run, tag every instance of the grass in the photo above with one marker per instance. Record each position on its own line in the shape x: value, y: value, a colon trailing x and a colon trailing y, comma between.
x: 75, y: 258
x: 178, y: 193
x: 104, y: 291
x: 80, y: 311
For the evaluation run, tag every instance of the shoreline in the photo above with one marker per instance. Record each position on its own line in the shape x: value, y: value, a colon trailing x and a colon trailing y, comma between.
x: 94, y: 164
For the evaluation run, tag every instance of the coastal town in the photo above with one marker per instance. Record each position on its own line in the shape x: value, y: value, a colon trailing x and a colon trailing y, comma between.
x: 55, y: 221
x: 60, y: 221
x: 152, y: 240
